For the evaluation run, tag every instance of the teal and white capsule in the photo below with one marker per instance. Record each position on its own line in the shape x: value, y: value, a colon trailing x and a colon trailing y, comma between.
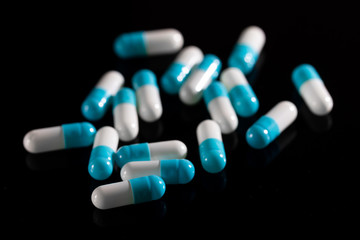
x: 211, y: 147
x: 148, y: 95
x: 176, y: 74
x: 125, y: 114
x: 164, y: 150
x: 71, y: 135
x: 99, y: 99
x: 241, y: 94
x: 220, y: 108
x: 312, y: 89
x: 268, y: 127
x: 199, y: 79
x: 133, y: 191
x: 148, y: 43
x: 247, y: 49
x: 101, y: 159
x: 174, y: 171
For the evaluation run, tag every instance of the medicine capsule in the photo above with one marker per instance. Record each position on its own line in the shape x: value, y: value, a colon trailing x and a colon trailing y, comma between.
x: 98, y: 101
x: 199, y: 79
x: 269, y: 126
x: 101, y: 159
x: 247, y: 49
x: 174, y: 171
x: 220, y: 108
x: 173, y: 149
x: 241, y: 94
x: 147, y: 95
x: 312, y: 89
x: 211, y: 147
x: 176, y: 74
x: 125, y: 114
x: 134, y: 191
x: 148, y: 43
x: 71, y: 135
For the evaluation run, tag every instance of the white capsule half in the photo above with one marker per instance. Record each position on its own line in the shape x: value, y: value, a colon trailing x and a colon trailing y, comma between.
x: 220, y: 108
x: 147, y: 95
x: 125, y: 114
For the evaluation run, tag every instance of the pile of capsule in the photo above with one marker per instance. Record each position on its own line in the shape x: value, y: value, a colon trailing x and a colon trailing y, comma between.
x: 147, y: 167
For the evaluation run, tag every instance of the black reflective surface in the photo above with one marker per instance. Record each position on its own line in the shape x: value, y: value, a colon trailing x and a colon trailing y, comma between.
x: 308, y: 173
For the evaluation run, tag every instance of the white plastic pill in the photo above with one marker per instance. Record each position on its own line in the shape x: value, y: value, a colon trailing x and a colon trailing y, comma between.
x: 125, y: 114
x: 220, y: 108
x: 133, y: 191
x: 147, y: 95
x: 176, y: 74
x: 312, y: 89
x: 211, y: 147
x: 101, y: 159
x: 172, y: 149
x: 148, y: 43
x: 71, y: 135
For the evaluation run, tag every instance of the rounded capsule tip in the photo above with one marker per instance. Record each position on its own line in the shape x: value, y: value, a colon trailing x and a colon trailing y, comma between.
x: 186, y: 171
x: 88, y: 133
x: 158, y: 187
x: 257, y: 137
x: 90, y: 110
x: 123, y: 156
x: 214, y: 161
x: 100, y: 168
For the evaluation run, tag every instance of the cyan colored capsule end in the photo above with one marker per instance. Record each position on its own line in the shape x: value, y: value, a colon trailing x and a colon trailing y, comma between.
x: 78, y: 134
x: 212, y: 155
x: 125, y: 95
x: 186, y: 171
x: 134, y: 152
x: 211, y: 61
x: 302, y: 73
x: 95, y: 105
x: 143, y: 77
x: 130, y: 45
x: 147, y: 188
x: 177, y: 171
x: 173, y: 78
x: 262, y: 132
x: 101, y: 164
x: 214, y: 90
x: 244, y: 100
x: 243, y: 57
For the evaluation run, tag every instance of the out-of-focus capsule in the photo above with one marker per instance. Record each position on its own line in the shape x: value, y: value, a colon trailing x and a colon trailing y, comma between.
x: 147, y: 95
x: 173, y: 149
x: 125, y: 114
x: 101, y: 158
x: 211, y: 147
x: 71, y: 135
x: 269, y: 126
x: 98, y: 101
x: 220, y: 108
x: 199, y: 79
x: 176, y: 74
x: 174, y: 171
x: 312, y: 89
x: 247, y: 49
x: 240, y: 92
x: 148, y: 43
x: 134, y: 191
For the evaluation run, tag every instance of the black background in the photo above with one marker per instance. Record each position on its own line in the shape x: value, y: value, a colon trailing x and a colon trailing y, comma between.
x: 57, y: 53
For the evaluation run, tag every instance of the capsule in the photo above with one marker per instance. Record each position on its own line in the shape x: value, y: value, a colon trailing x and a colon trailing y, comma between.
x: 241, y: 94
x: 176, y: 74
x: 312, y: 89
x: 71, y: 135
x: 134, y: 191
x: 148, y: 95
x: 269, y: 126
x: 98, y: 101
x: 125, y: 114
x: 220, y: 108
x: 173, y: 149
x: 199, y: 79
x: 101, y: 159
x: 174, y: 171
x: 211, y: 147
x: 247, y: 49
x: 148, y: 43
